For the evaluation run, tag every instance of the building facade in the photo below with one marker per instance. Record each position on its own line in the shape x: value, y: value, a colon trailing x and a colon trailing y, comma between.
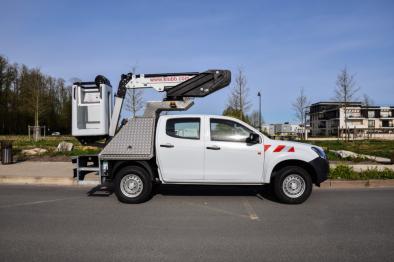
x: 285, y: 129
x: 328, y: 119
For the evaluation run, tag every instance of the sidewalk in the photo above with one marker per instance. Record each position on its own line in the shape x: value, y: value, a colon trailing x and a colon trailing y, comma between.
x: 61, y: 173
x: 36, y: 172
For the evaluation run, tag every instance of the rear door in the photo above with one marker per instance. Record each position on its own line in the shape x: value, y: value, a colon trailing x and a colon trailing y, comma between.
x: 228, y: 158
x: 180, y: 149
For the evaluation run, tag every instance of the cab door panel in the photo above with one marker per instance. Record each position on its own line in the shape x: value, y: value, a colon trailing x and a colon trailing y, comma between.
x: 232, y: 159
x: 180, y: 151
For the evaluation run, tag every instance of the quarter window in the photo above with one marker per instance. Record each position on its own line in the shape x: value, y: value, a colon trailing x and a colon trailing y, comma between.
x: 227, y: 130
x: 188, y: 128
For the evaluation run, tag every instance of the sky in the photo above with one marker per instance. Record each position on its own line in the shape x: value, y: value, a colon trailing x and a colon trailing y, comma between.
x: 282, y: 46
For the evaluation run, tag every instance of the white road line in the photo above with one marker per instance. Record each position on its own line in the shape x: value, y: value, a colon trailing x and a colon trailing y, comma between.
x: 250, y: 210
x: 38, y: 202
x: 218, y: 210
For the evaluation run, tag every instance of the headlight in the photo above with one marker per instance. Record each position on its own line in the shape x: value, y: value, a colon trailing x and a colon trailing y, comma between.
x: 320, y: 152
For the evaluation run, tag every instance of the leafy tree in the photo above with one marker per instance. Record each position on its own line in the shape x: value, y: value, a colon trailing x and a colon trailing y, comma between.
x: 236, y: 113
x: 29, y: 97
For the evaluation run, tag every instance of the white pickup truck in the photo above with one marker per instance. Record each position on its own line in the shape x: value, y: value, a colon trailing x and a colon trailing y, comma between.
x: 187, y: 149
x: 200, y: 149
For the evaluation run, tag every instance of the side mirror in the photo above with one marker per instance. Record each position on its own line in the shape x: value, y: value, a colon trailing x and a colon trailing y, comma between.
x: 253, y: 139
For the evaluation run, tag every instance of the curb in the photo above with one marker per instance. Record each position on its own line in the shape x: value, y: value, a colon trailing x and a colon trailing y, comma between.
x: 39, y: 180
x: 68, y: 181
x: 371, y: 183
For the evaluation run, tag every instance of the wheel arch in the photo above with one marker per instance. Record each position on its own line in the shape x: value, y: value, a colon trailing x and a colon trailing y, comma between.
x: 146, y: 165
x: 295, y: 162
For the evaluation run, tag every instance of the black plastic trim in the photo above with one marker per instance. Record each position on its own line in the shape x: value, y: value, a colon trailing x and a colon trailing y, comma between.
x: 322, y: 168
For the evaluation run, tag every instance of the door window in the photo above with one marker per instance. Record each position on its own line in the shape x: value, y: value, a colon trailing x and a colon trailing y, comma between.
x: 188, y: 128
x: 227, y: 130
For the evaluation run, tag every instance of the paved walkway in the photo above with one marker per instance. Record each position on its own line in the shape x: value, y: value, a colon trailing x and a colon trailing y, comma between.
x: 38, y: 169
x: 61, y: 173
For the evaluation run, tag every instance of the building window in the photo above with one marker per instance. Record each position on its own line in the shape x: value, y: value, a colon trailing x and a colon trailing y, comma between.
x: 385, y: 123
x: 371, y: 123
x: 371, y: 114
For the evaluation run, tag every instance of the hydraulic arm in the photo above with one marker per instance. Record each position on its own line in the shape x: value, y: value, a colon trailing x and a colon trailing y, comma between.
x: 177, y: 86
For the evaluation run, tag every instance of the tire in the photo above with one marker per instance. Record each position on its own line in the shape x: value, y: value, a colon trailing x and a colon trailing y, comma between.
x: 133, y: 185
x: 292, y: 185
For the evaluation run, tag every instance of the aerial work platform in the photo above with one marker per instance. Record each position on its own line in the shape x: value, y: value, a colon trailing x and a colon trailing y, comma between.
x: 95, y: 117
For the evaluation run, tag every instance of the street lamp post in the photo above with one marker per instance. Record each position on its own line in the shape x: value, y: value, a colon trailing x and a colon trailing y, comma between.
x: 259, y: 95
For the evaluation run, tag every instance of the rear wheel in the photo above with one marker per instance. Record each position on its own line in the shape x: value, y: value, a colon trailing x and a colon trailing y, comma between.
x: 293, y: 185
x: 133, y: 185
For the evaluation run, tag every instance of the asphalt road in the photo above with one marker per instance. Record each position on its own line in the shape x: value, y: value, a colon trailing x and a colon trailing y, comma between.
x: 195, y: 224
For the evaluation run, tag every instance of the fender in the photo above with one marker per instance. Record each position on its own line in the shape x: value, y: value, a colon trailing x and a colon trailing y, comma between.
x: 279, y: 151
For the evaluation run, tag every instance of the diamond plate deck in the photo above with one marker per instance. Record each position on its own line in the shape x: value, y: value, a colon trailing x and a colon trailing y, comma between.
x: 135, y: 141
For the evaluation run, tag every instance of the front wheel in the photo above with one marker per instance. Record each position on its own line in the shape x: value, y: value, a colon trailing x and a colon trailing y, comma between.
x: 293, y: 185
x: 133, y: 185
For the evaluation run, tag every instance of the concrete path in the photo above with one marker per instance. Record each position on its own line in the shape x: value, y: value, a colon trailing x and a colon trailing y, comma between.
x: 38, y: 169
x: 37, y: 172
x: 61, y: 173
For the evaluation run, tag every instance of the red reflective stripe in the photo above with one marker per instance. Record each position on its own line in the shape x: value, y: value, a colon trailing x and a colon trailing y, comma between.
x: 291, y: 149
x: 266, y: 147
x: 279, y: 148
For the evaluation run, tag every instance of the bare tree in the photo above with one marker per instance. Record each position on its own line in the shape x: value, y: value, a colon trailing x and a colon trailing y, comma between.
x: 134, y: 101
x: 345, y: 92
x: 300, y: 105
x: 367, y: 100
x: 238, y: 100
x: 254, y: 119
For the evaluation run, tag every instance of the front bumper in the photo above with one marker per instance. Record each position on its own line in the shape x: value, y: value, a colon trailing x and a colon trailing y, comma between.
x: 321, y: 167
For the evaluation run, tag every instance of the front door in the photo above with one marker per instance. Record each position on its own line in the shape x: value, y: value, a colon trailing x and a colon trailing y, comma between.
x: 180, y: 150
x: 228, y: 158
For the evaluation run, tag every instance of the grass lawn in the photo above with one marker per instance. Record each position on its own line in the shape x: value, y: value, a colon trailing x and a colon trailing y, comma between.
x: 50, y: 143
x: 382, y: 148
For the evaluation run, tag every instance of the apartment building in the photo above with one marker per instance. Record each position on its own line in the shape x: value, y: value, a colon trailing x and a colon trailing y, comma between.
x: 328, y: 119
x: 285, y: 129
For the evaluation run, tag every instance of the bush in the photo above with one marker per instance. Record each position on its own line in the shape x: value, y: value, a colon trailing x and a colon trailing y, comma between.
x: 347, y: 173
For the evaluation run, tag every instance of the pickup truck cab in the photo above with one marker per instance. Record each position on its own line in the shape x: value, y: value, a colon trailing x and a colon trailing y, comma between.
x: 218, y: 150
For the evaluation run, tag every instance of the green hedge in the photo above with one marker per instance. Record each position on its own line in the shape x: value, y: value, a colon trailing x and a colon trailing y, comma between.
x: 347, y: 173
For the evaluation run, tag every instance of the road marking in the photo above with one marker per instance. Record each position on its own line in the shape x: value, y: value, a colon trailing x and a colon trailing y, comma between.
x: 218, y: 210
x: 250, y: 210
x: 38, y: 202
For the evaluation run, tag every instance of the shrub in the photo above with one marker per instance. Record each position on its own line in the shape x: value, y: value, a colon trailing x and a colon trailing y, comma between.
x: 346, y: 172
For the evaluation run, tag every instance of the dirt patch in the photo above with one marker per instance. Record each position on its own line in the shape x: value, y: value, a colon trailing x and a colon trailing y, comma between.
x: 47, y: 158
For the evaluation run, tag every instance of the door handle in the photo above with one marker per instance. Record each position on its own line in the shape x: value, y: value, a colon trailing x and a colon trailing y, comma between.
x: 168, y: 145
x: 213, y: 147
